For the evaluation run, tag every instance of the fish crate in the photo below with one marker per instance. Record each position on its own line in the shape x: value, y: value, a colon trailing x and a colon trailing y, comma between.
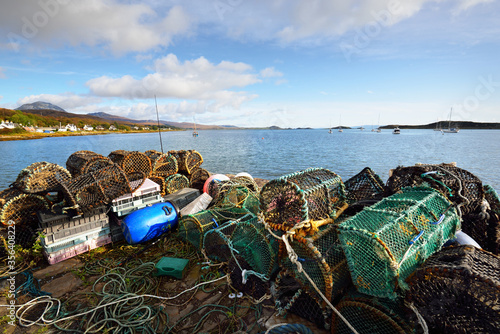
x: 457, y: 291
x: 55, y: 227
x: 83, y: 162
x: 187, y: 160
x: 386, y: 242
x: 162, y: 164
x: 41, y: 177
x: 73, y: 240
x: 366, y: 185
x: 91, y: 190
x: 312, y: 194
x: 20, y: 208
x: 147, y: 193
x: 69, y: 252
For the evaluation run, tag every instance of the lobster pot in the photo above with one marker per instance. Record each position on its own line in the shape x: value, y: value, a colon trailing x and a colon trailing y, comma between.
x: 365, y: 185
x: 386, y: 242
x: 492, y: 197
x: 20, y: 208
x: 187, y: 161
x: 198, y: 177
x: 457, y: 290
x: 234, y: 194
x: 253, y: 285
x: 91, y: 190
x: 322, y: 258
x: 82, y: 162
x: 41, y: 177
x: 371, y: 315
x: 136, y: 165
x: 175, y: 183
x: 192, y: 228
x: 314, y: 194
x: 458, y: 185
x: 161, y: 182
x: 162, y: 164
x: 243, y: 237
x: 290, y: 297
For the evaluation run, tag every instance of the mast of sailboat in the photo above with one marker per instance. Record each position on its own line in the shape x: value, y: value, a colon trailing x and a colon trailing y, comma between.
x: 158, y: 122
x: 449, y: 121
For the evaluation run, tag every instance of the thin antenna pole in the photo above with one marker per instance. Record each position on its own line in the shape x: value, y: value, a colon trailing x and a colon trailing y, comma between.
x: 158, y: 121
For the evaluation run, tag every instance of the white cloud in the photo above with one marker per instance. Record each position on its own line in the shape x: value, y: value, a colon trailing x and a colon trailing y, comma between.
x: 119, y: 27
x: 67, y: 101
x: 270, y: 72
x: 2, y: 74
x: 196, y: 79
x: 464, y: 5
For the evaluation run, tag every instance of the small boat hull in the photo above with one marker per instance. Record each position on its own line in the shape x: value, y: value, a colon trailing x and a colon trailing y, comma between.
x: 148, y: 223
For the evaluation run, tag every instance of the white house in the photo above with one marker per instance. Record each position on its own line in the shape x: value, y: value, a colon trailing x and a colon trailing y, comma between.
x: 7, y: 125
x: 71, y: 127
x: 88, y: 128
x: 112, y: 128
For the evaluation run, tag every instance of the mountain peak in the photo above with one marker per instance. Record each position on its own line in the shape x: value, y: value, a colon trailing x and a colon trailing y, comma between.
x: 39, y: 105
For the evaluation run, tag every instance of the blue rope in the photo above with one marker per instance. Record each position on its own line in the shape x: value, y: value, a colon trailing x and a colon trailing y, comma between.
x: 290, y: 329
x: 31, y: 286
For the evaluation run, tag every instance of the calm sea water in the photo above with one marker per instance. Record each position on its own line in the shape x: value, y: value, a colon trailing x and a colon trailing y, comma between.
x: 272, y: 153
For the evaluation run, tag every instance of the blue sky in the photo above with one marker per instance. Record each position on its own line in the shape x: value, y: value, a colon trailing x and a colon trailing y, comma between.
x: 256, y: 63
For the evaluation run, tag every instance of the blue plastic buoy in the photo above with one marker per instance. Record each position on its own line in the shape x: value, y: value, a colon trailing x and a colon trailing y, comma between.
x: 150, y: 222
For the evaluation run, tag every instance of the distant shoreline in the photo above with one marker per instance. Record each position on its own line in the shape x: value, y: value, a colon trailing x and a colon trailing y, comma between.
x: 41, y: 135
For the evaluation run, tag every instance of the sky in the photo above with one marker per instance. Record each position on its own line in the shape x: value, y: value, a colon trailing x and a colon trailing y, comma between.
x: 256, y: 63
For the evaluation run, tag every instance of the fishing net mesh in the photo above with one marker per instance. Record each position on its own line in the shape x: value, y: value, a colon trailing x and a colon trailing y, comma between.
x: 314, y: 193
x: 187, y: 160
x: 364, y: 185
x: 289, y: 297
x: 192, y: 228
x: 240, y: 192
x: 198, y: 177
x: 91, y: 190
x: 136, y: 165
x: 456, y: 291
x: 41, y: 177
x: 20, y: 207
x: 458, y: 185
x: 248, y: 252
x: 386, y: 242
x: 175, y: 183
x: 492, y: 197
x: 322, y: 258
x: 162, y: 164
x: 367, y: 314
x: 82, y: 162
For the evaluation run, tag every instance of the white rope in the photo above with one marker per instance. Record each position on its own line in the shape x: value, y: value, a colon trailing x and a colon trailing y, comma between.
x: 421, y: 320
x: 294, y: 258
x: 51, y: 301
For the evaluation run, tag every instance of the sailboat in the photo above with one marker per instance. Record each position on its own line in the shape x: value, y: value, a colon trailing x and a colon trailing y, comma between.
x: 195, y: 133
x: 450, y: 129
x: 378, y: 126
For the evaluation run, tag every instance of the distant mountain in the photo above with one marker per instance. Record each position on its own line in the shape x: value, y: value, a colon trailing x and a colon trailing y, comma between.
x: 40, y: 105
x: 182, y: 125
